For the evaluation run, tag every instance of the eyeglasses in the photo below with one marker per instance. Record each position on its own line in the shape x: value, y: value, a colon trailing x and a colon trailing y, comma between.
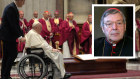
x: 110, y: 24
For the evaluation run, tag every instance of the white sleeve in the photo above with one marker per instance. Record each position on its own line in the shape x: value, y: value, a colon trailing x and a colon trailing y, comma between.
x: 45, y: 45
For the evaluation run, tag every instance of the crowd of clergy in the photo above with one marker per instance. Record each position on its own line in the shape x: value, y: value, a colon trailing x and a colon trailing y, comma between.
x: 60, y: 34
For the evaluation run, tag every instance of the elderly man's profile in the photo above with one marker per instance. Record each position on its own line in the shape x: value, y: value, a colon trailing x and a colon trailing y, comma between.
x: 115, y: 42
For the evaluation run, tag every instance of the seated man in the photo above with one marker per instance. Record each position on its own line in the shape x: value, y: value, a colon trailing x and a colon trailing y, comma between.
x: 115, y: 43
x: 35, y: 40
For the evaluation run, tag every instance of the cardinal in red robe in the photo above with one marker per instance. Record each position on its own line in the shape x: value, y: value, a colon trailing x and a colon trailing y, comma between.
x: 35, y: 14
x: 56, y: 22
x: 24, y: 27
x: 69, y: 32
x: 47, y: 29
x: 86, y: 36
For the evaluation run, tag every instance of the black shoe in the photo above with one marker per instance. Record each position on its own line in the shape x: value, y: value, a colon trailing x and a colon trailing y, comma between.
x: 67, y: 75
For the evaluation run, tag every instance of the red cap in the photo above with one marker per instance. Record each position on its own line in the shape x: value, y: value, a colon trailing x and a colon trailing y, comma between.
x: 46, y: 12
x: 70, y: 13
x: 113, y: 9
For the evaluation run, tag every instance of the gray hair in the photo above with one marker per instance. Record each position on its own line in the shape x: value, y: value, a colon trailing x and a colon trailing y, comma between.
x: 111, y: 11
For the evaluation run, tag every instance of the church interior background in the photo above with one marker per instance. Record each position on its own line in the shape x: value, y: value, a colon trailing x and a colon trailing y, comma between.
x: 81, y: 9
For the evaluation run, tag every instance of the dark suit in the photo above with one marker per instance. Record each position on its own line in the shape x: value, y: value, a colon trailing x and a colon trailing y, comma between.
x: 9, y: 32
x: 104, y: 48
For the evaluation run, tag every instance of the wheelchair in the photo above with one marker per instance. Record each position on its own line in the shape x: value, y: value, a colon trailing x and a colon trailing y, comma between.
x: 35, y: 65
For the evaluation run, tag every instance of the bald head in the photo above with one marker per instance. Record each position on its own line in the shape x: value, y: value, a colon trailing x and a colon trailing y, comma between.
x: 56, y: 14
x: 35, y: 14
x: 21, y: 14
x: 71, y: 16
x: 90, y: 18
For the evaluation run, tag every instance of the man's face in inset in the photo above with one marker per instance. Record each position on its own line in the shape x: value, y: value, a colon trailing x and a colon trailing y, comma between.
x: 114, y: 27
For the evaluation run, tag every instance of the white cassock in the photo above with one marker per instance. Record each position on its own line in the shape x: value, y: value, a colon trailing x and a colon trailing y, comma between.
x: 35, y: 40
x: 66, y: 51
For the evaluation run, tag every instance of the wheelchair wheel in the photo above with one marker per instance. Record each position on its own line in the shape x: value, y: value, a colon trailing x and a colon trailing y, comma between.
x: 31, y: 67
x: 49, y: 75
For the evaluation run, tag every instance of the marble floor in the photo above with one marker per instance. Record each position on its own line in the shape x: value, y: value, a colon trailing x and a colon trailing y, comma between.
x: 130, y: 65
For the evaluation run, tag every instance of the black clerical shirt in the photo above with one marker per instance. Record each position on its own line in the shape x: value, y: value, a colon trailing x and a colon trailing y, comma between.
x: 102, y: 47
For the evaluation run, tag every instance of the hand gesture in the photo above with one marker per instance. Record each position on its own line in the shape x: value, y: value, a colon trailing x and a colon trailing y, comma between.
x: 22, y: 39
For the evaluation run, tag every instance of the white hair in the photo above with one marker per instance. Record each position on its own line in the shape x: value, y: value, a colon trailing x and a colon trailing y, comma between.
x: 35, y: 23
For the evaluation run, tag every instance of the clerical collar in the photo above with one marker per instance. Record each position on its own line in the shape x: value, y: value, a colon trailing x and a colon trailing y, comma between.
x: 47, y: 19
x: 21, y: 19
x: 113, y: 49
x: 113, y: 44
x: 35, y: 18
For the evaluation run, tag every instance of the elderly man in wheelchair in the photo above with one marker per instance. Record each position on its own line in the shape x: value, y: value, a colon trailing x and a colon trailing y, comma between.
x: 34, y: 41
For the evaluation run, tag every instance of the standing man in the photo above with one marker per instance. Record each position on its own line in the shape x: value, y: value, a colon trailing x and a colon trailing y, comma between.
x: 9, y: 32
x: 56, y: 21
x: 24, y: 27
x: 70, y: 34
x: 35, y: 18
x: 86, y: 35
x: 47, y: 29
x: 23, y: 22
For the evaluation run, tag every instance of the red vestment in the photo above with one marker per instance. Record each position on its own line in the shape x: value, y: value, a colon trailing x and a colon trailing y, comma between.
x: 21, y: 45
x: 45, y: 33
x: 30, y: 23
x: 26, y: 25
x: 86, y: 38
x: 69, y: 34
x: 56, y: 26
